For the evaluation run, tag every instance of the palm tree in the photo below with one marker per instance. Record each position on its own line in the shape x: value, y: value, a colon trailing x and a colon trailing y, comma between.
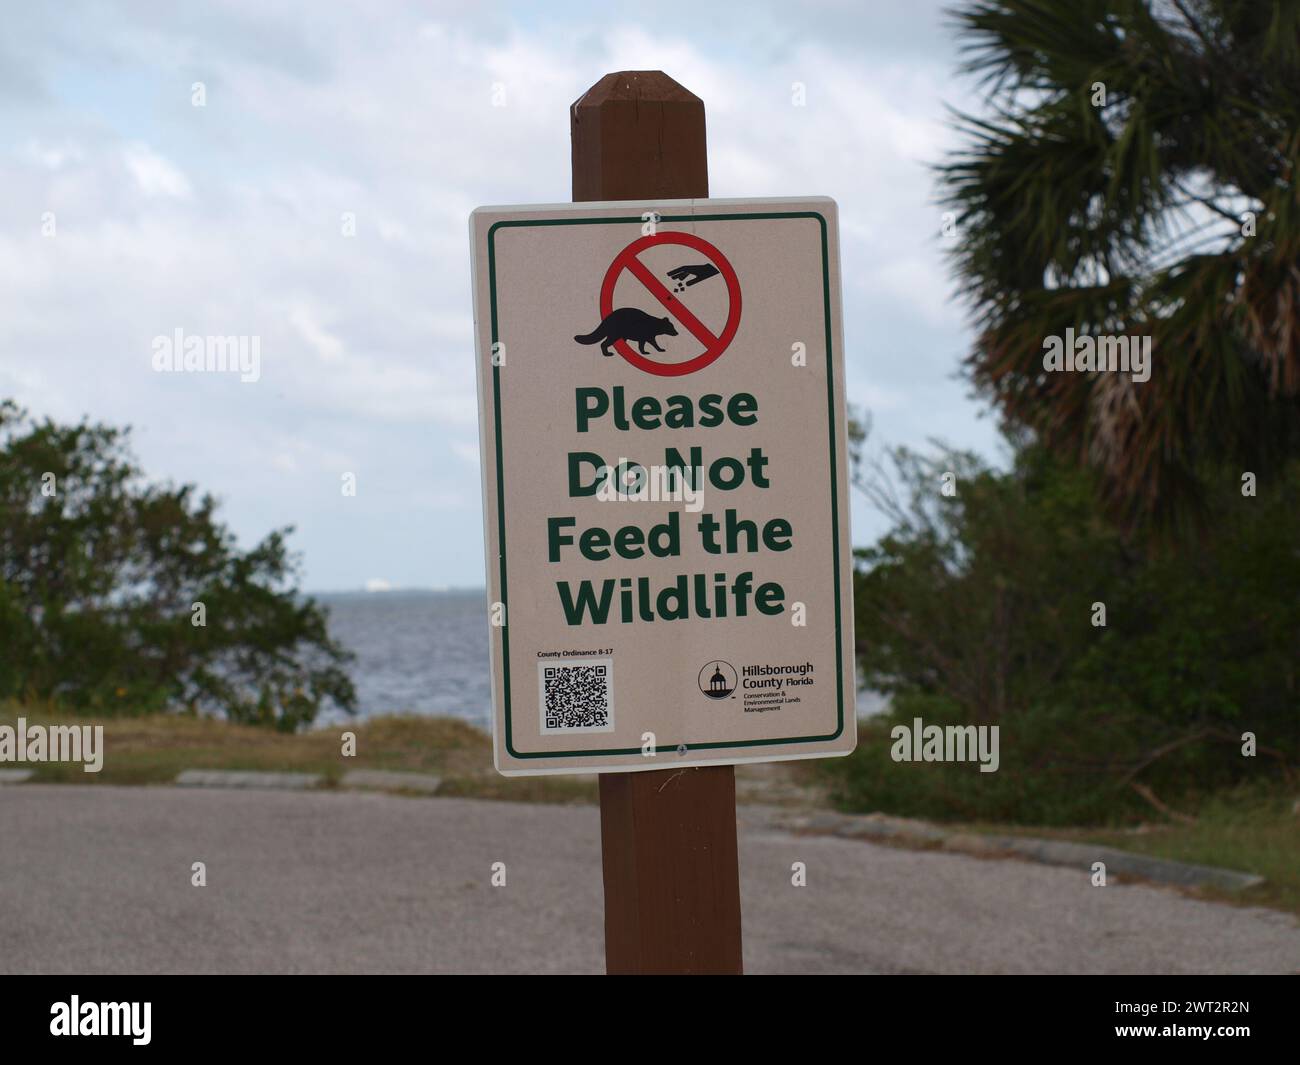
x: 1135, y: 175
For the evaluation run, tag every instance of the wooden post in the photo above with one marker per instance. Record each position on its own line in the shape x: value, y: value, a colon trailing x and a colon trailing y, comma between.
x: 668, y: 836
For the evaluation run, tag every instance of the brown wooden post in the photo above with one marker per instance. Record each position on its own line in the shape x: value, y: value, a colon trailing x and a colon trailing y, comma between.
x: 668, y: 836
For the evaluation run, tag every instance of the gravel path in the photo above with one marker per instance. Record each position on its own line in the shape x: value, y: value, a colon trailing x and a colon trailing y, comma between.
x: 97, y: 879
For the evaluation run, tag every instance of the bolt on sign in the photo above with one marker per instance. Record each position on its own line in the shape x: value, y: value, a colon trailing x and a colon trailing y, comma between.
x: 661, y: 412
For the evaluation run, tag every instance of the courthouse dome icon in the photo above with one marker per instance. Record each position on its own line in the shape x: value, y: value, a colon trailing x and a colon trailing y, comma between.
x: 717, y: 679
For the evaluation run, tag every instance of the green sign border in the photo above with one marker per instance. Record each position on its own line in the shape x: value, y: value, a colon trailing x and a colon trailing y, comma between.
x: 501, y: 502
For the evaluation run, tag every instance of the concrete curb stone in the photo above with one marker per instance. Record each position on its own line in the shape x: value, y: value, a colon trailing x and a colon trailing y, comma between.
x: 1048, y: 852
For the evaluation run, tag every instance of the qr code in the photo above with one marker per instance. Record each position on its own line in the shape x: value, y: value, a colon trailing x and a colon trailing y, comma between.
x: 576, y: 695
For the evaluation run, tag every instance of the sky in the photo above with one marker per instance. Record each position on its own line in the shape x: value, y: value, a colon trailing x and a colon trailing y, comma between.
x: 128, y: 213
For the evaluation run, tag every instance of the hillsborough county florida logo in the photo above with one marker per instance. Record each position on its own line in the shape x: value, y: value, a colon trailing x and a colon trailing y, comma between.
x: 717, y: 679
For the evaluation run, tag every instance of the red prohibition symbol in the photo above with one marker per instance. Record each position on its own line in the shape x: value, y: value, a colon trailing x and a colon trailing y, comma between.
x: 714, y: 346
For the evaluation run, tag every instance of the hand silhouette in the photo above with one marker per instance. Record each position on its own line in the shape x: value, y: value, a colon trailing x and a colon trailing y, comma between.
x: 696, y: 274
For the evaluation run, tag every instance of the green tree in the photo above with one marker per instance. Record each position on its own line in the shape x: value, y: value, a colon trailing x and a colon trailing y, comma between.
x: 979, y: 607
x: 103, y: 576
x: 1135, y: 174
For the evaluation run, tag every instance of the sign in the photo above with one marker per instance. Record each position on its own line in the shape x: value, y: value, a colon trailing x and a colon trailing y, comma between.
x: 661, y: 411
x: 628, y: 259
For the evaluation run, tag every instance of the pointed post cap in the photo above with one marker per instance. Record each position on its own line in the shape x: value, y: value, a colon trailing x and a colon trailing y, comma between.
x: 637, y: 134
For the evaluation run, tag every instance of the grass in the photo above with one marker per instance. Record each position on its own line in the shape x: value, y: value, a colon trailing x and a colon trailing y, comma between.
x: 155, y: 748
x: 1251, y: 830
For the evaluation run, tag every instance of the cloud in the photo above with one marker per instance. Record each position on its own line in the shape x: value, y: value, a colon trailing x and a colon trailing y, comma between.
x: 226, y: 219
x: 324, y: 343
x: 51, y: 156
x: 154, y: 175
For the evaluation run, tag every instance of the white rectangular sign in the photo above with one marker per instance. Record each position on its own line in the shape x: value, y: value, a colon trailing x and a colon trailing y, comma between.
x: 661, y: 407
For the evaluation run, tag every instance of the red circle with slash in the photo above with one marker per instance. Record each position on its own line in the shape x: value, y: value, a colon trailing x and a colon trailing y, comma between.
x: 713, y: 345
